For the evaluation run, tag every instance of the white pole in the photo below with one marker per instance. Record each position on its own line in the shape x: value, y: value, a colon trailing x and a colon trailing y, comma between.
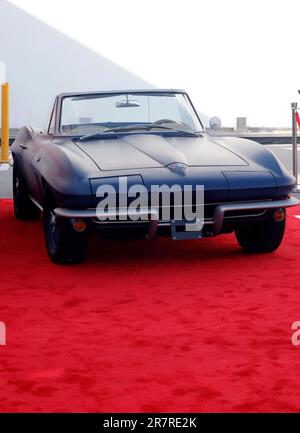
x: 2, y: 73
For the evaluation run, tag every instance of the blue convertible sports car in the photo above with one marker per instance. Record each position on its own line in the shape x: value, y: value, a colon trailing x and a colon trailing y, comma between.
x: 139, y: 163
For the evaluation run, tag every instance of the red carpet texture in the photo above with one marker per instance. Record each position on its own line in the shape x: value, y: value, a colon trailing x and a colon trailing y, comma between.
x: 148, y: 325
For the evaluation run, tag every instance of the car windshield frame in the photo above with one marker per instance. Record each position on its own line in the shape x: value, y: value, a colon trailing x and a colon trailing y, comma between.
x: 62, y: 97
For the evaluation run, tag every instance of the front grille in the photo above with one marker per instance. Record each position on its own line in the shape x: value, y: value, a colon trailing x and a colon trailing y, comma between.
x: 168, y: 213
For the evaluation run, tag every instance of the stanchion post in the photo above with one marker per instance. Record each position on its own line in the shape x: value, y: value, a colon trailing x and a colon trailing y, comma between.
x: 294, y: 106
x: 5, y: 123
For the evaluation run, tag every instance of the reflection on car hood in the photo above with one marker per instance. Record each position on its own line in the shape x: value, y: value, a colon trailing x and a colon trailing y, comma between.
x: 133, y: 151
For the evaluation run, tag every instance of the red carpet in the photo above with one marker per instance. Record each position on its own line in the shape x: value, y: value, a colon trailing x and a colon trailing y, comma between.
x: 148, y: 326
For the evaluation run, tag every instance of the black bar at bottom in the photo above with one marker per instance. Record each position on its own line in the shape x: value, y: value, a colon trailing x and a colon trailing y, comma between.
x: 144, y: 422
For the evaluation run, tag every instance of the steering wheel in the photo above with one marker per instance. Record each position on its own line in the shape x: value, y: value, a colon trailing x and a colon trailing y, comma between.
x: 160, y: 121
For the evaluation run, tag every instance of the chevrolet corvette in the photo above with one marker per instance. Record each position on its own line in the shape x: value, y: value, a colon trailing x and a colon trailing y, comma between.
x: 104, y: 153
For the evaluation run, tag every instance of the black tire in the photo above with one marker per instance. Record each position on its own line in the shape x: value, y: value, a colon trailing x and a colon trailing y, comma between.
x: 264, y: 237
x: 64, y: 245
x: 24, y: 209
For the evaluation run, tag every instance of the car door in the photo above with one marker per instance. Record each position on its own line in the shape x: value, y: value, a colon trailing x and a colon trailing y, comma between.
x: 27, y: 151
x: 31, y: 154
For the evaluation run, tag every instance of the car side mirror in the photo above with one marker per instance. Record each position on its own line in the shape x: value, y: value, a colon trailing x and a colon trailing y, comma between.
x: 215, y: 122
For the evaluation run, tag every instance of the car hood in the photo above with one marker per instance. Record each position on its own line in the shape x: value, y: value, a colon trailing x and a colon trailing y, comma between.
x: 137, y: 151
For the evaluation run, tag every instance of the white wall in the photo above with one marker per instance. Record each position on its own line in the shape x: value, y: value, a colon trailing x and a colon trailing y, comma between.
x: 234, y: 57
x: 42, y: 62
x: 2, y: 73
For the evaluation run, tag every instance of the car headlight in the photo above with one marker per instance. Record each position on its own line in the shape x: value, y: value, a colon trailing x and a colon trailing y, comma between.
x: 120, y: 184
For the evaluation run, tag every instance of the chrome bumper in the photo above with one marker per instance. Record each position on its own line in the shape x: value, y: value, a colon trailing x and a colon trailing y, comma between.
x: 266, y: 204
x: 152, y: 216
x: 144, y: 213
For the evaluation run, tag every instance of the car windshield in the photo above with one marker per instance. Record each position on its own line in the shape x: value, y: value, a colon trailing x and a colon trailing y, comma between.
x: 93, y: 113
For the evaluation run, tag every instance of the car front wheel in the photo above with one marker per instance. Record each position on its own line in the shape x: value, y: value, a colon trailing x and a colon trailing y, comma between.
x: 63, y: 243
x: 263, y: 237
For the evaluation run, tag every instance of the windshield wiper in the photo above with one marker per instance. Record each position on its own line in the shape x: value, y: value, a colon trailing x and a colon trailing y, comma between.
x: 147, y: 126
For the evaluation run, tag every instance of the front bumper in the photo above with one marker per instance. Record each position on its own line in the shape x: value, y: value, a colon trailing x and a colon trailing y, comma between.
x: 152, y: 216
x: 249, y: 206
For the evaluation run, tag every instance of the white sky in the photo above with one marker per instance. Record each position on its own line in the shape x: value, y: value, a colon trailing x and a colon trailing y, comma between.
x: 234, y: 57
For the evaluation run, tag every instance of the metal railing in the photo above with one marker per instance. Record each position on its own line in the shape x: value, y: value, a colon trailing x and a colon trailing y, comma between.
x: 294, y: 106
